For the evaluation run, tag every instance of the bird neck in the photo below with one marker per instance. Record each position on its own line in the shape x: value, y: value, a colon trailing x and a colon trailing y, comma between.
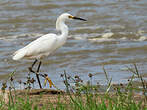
x: 64, y: 30
x: 61, y: 26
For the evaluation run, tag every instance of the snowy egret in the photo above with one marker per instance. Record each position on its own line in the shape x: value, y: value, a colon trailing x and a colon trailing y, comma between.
x: 45, y: 45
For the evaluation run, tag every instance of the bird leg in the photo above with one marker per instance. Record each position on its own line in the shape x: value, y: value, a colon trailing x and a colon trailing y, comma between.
x: 31, y: 68
x: 37, y: 74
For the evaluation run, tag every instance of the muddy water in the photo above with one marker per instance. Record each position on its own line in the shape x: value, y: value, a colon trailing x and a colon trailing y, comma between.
x: 115, y: 36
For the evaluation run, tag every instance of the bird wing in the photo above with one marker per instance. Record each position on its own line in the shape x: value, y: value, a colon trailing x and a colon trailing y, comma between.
x: 42, y: 45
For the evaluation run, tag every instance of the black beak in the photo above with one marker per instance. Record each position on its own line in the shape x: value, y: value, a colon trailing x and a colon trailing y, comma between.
x: 79, y: 18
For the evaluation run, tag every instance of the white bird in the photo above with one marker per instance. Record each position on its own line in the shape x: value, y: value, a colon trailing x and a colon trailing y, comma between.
x: 45, y: 45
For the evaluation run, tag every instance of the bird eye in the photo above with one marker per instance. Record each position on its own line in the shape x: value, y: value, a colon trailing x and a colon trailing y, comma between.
x: 70, y: 16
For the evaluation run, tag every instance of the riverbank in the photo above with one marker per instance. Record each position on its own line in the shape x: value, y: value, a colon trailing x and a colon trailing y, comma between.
x: 48, y: 99
x: 77, y: 95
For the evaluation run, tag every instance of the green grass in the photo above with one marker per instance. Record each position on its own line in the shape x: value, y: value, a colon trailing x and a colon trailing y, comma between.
x: 87, y: 96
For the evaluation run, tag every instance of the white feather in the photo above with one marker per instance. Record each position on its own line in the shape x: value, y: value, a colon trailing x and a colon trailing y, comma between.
x: 46, y: 44
x: 19, y: 54
x: 42, y: 46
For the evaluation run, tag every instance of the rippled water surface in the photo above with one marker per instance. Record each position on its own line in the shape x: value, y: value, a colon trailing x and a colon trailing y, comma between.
x: 115, y: 36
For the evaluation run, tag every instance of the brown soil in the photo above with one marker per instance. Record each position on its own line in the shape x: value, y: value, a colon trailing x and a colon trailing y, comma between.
x: 45, y: 96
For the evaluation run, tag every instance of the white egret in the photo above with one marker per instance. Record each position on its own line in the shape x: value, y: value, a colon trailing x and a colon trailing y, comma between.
x: 45, y: 45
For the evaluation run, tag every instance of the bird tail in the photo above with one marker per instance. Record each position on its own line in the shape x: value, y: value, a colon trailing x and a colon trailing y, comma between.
x: 19, y: 54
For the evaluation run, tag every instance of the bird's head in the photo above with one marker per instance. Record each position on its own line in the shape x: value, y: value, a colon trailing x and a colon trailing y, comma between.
x: 67, y: 16
x: 64, y: 17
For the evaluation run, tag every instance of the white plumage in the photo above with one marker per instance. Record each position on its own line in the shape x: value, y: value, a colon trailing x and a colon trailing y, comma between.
x: 39, y: 48
x: 48, y: 43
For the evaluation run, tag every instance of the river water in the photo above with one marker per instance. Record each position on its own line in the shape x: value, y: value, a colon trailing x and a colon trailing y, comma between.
x: 114, y: 36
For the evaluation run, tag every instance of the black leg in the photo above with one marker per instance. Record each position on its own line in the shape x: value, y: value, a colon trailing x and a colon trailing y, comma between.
x: 34, y: 63
x: 39, y: 66
x: 31, y: 68
x: 37, y: 74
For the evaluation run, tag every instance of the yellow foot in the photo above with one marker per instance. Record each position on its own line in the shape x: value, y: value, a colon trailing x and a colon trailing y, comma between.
x: 47, y: 79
